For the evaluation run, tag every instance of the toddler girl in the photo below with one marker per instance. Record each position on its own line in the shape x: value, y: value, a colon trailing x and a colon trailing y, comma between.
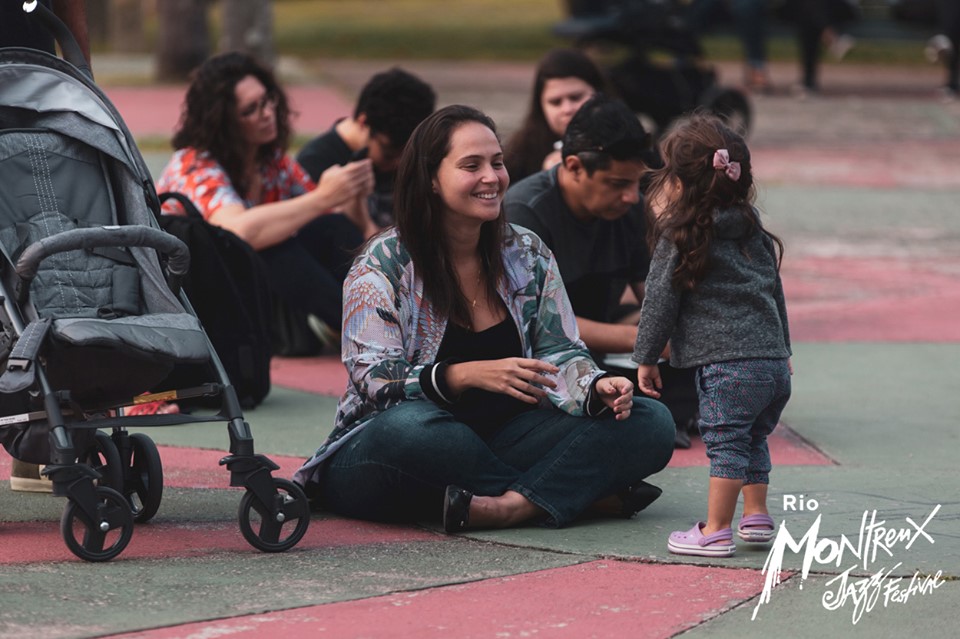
x: 714, y: 292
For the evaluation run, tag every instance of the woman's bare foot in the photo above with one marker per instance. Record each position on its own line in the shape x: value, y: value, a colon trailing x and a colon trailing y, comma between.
x: 509, y: 509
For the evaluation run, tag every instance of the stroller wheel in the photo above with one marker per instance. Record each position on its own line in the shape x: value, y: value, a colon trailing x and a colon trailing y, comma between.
x: 263, y: 525
x: 103, y: 457
x: 143, y: 485
x: 103, y: 537
x: 731, y: 106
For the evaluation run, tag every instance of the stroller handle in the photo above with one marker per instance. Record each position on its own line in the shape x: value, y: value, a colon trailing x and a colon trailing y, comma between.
x: 62, y: 34
x: 104, y: 236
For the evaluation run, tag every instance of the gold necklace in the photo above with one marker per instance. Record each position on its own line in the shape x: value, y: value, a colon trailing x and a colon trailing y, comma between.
x: 476, y: 294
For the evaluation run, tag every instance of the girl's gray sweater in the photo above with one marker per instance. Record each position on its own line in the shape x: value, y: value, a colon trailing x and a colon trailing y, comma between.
x: 736, y: 312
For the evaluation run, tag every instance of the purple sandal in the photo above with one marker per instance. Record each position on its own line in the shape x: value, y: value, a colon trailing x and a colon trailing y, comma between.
x: 694, y: 542
x: 756, y: 529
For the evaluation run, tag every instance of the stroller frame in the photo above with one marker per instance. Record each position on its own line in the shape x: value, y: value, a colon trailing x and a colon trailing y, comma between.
x: 116, y: 479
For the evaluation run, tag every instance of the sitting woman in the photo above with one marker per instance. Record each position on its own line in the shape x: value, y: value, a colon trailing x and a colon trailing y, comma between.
x: 565, y: 79
x: 470, y: 392
x: 231, y: 162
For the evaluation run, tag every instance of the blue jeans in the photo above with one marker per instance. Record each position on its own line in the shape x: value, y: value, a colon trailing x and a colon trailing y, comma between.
x: 740, y: 405
x: 397, y: 467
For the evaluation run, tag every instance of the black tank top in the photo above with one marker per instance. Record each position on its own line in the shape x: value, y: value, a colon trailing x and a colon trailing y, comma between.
x: 484, y: 411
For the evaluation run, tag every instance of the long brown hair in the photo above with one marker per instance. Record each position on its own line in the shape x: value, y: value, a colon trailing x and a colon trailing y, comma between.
x: 419, y: 213
x: 687, y: 151
x: 534, y: 140
x: 209, y: 120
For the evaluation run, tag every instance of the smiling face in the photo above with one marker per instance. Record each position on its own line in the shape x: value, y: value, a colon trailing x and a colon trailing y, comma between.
x: 256, y: 112
x: 561, y: 99
x: 471, y: 179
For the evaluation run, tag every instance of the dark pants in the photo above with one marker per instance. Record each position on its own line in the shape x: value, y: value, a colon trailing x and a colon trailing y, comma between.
x: 948, y: 18
x: 307, y: 271
x: 812, y: 18
x: 749, y: 18
x: 397, y: 467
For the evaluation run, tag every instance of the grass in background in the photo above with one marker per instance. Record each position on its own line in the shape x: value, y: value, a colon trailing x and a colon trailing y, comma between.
x: 496, y: 30
x: 450, y: 29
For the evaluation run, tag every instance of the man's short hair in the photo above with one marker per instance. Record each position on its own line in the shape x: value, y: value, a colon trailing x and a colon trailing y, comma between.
x: 604, y: 129
x: 394, y: 103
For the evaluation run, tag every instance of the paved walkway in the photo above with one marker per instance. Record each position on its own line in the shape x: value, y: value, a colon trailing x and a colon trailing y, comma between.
x: 862, y: 183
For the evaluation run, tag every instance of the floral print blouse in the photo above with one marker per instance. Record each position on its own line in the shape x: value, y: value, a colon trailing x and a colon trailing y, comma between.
x: 390, y: 333
x: 201, y: 178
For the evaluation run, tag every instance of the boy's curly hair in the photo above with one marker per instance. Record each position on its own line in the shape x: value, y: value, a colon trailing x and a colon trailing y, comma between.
x: 209, y: 120
x: 394, y: 103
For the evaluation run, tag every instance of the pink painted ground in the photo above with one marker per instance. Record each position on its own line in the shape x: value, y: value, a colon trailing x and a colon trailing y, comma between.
x: 33, y: 541
x: 841, y: 299
x: 596, y: 599
x: 154, y: 111
x: 865, y: 165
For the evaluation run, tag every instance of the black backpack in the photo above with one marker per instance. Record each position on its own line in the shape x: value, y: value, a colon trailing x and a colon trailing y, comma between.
x: 229, y: 290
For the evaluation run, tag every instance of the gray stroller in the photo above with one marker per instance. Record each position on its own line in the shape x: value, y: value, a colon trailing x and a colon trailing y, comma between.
x: 93, y: 317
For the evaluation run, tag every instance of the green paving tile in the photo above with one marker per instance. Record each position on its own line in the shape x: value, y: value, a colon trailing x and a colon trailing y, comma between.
x: 288, y: 422
x: 73, y: 599
x: 799, y: 614
x: 843, y: 495
x: 890, y: 406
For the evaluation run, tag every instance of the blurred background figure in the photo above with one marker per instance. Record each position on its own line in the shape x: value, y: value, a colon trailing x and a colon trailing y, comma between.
x: 232, y: 163
x: 750, y: 21
x: 564, y: 80
x: 389, y: 108
x: 944, y: 47
x: 820, y: 24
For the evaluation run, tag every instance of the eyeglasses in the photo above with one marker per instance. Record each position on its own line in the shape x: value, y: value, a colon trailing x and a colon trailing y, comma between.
x: 257, y: 109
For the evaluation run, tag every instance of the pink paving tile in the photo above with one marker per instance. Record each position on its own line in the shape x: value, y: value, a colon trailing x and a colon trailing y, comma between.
x: 932, y: 164
x: 324, y: 375
x: 871, y: 299
x: 597, y: 599
x: 39, y: 541
x: 786, y: 449
x: 156, y: 110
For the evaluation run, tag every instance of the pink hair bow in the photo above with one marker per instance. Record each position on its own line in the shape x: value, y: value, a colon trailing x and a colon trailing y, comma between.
x: 721, y: 162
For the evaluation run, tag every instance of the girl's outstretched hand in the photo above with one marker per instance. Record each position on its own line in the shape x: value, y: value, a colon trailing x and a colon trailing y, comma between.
x: 617, y: 394
x: 648, y: 379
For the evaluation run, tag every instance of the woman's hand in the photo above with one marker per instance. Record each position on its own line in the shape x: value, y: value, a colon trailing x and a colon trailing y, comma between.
x: 648, y: 379
x: 339, y: 186
x: 517, y: 377
x: 358, y: 212
x: 617, y: 394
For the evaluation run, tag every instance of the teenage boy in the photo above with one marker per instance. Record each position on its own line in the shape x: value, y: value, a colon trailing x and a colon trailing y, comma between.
x: 389, y: 108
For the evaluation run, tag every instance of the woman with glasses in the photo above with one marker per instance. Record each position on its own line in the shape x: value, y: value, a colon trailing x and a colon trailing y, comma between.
x: 231, y: 161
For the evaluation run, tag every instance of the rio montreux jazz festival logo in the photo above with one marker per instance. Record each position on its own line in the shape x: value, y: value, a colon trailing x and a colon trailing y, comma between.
x: 874, y: 553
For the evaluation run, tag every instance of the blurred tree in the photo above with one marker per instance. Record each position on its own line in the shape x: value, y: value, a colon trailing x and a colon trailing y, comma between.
x: 183, y: 38
x: 126, y: 25
x: 248, y: 27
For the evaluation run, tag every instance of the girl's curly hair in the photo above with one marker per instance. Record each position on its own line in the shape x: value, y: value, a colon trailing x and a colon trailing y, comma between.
x: 687, y: 151
x: 209, y: 120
